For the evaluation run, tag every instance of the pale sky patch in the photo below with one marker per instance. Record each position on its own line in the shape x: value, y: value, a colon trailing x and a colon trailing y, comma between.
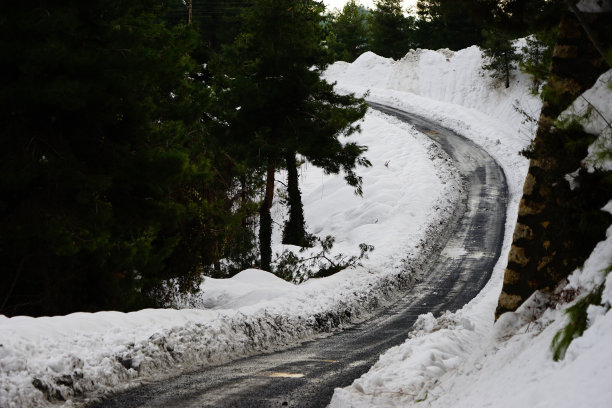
x: 332, y: 4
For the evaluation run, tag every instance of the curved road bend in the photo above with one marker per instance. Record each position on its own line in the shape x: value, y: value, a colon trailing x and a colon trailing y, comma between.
x: 305, y: 376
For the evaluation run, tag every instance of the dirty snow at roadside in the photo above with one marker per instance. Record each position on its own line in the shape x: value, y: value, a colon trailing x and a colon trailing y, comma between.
x: 411, y: 189
x: 462, y: 359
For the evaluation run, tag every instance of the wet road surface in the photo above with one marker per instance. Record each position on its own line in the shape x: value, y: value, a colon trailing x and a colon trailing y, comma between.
x: 305, y: 376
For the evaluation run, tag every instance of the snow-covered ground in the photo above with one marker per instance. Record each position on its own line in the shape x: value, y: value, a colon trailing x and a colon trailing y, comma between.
x: 410, y: 188
x: 463, y: 359
x: 403, y: 206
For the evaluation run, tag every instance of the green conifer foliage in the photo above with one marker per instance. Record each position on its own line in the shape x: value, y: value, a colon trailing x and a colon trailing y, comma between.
x: 215, y: 21
x: 101, y: 161
x: 501, y: 56
x: 350, y: 32
x: 448, y: 24
x: 318, y: 138
x: 270, y: 80
x: 537, y: 56
x: 294, y: 232
x: 391, y: 30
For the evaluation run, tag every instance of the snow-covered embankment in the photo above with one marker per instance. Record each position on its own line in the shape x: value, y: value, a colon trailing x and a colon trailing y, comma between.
x: 409, y: 193
x: 462, y: 359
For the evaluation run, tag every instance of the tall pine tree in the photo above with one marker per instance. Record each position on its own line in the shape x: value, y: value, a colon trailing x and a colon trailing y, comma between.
x: 559, y: 224
x: 350, y: 31
x: 270, y: 79
x: 391, y: 30
x: 501, y: 56
x: 101, y: 154
x: 448, y: 24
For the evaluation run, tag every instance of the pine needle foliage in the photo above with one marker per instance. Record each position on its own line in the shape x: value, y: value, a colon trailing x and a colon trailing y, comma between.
x: 578, y: 321
x: 390, y: 29
x: 297, y: 269
x: 270, y: 78
x: 537, y: 56
x: 350, y: 34
x: 501, y: 57
x: 107, y: 186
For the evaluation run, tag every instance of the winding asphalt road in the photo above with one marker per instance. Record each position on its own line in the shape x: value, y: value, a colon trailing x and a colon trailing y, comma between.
x: 305, y: 376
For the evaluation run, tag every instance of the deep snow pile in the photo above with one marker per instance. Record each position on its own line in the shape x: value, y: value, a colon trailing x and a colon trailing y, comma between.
x: 55, y: 358
x: 392, y: 214
x: 452, y: 89
x: 454, y: 77
x: 462, y: 359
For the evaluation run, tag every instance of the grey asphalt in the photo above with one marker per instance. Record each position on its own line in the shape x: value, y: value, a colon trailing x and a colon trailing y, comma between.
x: 305, y: 376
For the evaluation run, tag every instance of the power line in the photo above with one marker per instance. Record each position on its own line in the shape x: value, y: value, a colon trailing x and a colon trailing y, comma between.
x: 214, y: 8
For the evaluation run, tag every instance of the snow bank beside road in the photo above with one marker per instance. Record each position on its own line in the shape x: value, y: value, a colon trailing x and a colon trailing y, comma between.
x: 53, y: 359
x: 501, y: 130
x: 453, y: 77
x: 452, y: 89
x: 462, y: 359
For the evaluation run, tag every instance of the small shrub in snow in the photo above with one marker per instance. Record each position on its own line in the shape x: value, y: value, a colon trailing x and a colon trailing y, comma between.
x: 536, y: 57
x: 292, y: 267
x: 578, y: 320
x: 501, y: 57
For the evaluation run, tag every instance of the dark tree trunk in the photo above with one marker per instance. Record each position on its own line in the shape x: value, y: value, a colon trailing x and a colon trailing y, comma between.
x: 508, y: 68
x: 295, y: 231
x: 243, y: 198
x: 550, y: 239
x: 265, y: 221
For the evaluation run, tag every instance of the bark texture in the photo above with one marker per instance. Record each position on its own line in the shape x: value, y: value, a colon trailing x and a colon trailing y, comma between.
x: 557, y: 227
x: 265, y: 221
x: 295, y: 230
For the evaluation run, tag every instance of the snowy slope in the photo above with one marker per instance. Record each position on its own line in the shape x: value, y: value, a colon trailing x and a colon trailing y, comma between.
x: 462, y: 359
x: 451, y: 88
x: 57, y: 358
x: 448, y: 76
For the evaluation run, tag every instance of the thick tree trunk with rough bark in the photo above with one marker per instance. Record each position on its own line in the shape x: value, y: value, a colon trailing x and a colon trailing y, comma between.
x: 295, y: 230
x: 549, y: 241
x: 265, y: 221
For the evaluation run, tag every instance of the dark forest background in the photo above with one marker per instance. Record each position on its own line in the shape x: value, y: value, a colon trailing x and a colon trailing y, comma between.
x: 139, y: 148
